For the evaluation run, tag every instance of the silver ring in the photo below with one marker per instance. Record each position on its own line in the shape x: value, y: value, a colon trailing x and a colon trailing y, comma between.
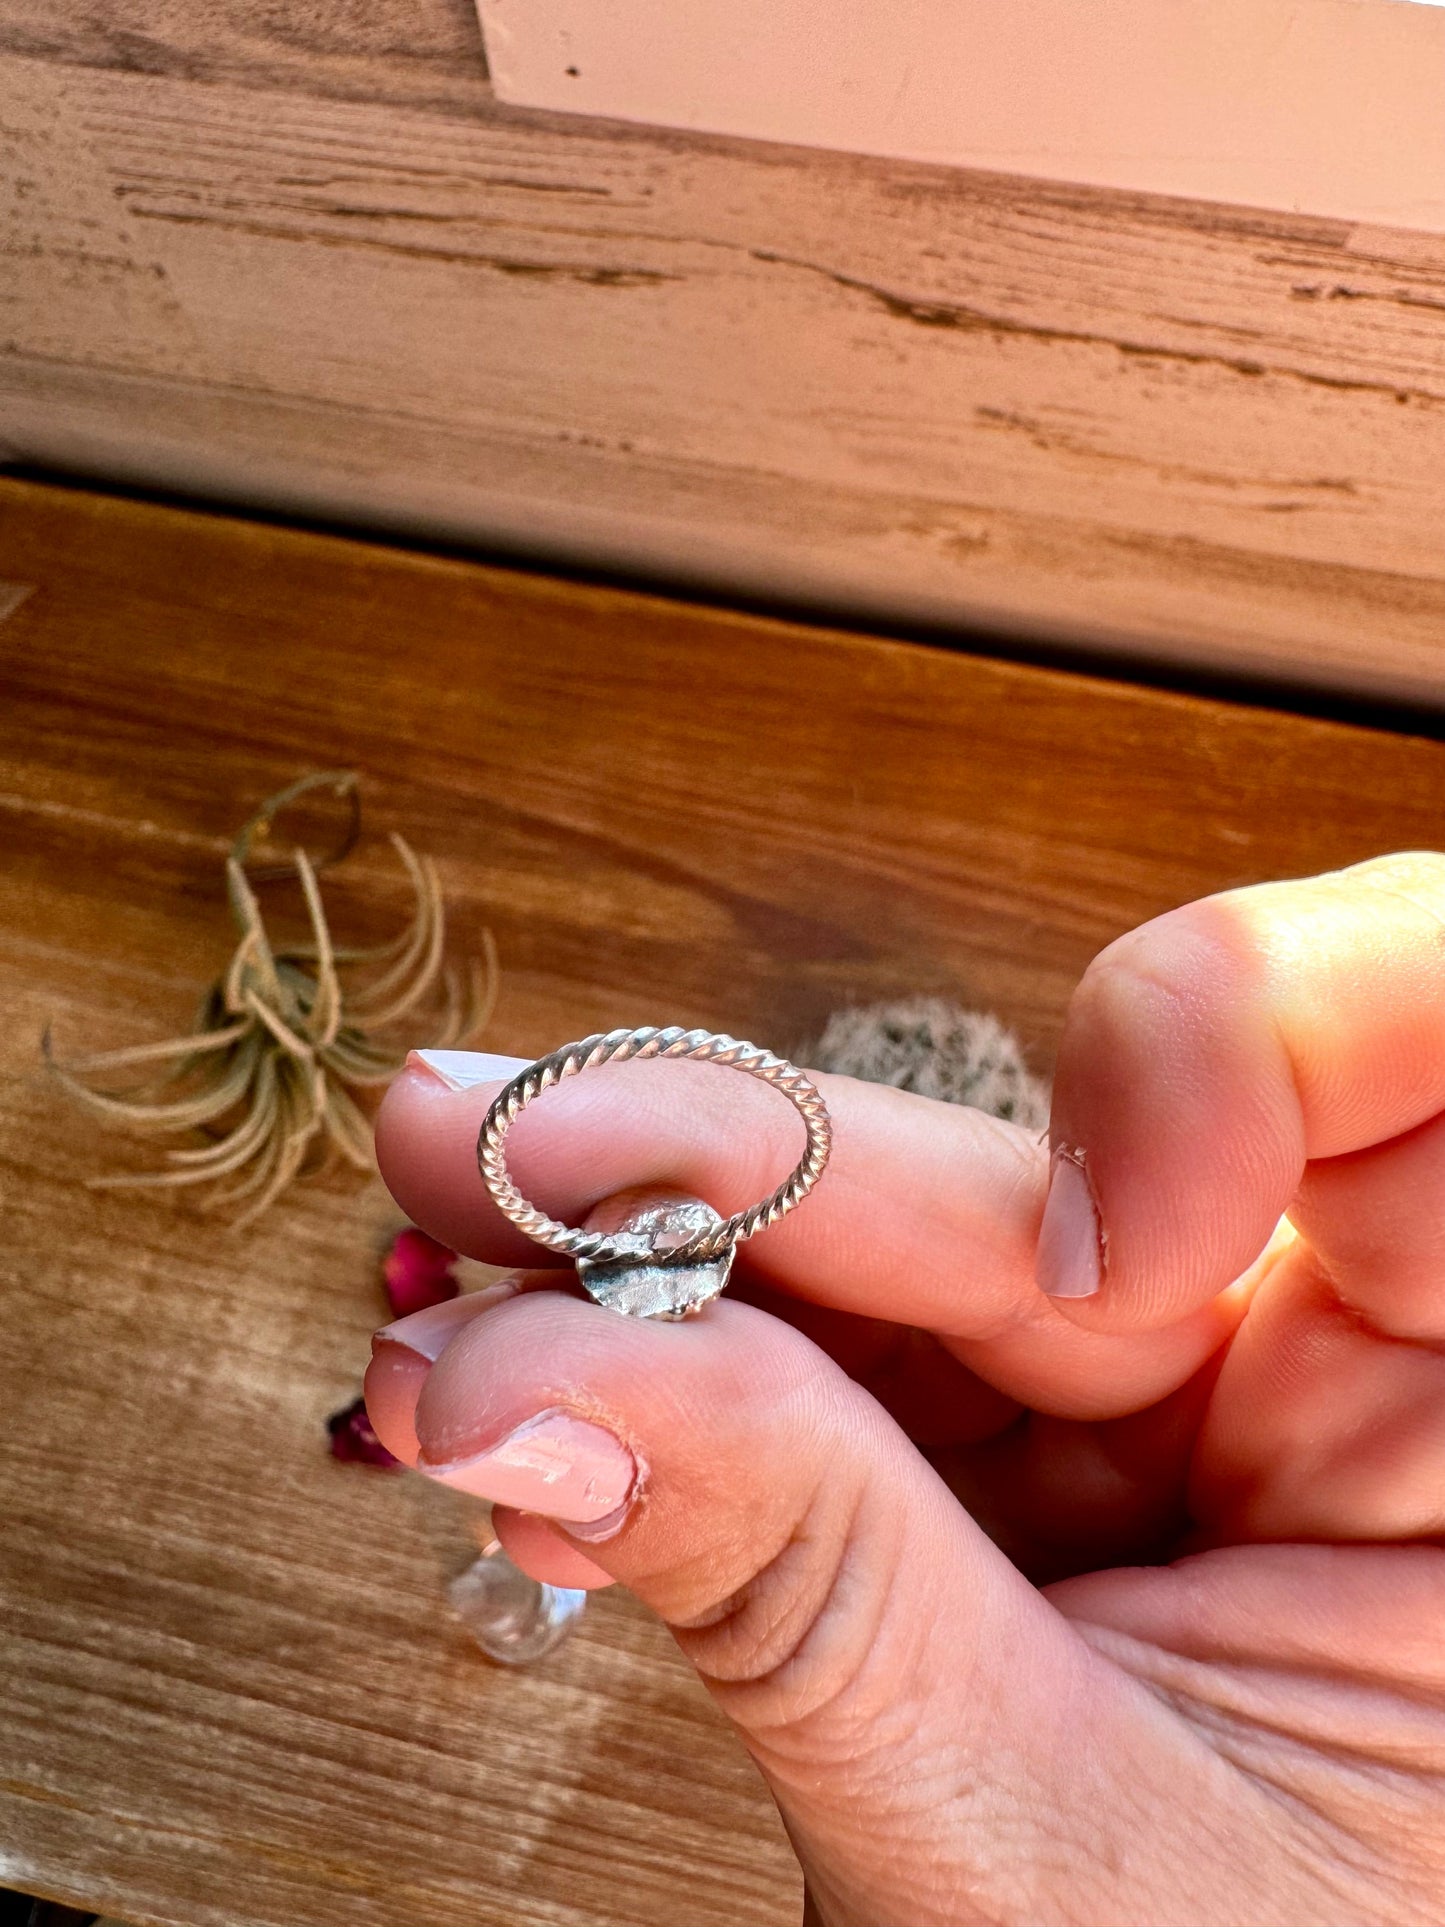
x: 617, y: 1046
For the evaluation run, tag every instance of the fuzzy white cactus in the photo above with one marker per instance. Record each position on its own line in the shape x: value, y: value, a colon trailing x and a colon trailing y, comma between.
x: 938, y: 1049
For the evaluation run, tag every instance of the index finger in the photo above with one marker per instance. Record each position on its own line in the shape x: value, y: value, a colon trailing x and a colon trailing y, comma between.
x: 913, y: 1191
x: 927, y: 1214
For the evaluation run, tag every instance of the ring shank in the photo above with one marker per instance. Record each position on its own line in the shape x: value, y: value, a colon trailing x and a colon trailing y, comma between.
x: 620, y: 1046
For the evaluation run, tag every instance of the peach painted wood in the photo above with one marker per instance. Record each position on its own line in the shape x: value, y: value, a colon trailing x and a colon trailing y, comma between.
x: 319, y: 265
x: 229, y: 1693
x: 1334, y: 107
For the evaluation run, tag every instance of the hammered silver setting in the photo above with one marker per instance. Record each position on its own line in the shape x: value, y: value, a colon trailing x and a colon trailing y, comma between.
x: 619, y: 1046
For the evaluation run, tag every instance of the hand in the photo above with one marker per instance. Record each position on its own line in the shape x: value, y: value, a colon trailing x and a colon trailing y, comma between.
x: 1118, y: 1602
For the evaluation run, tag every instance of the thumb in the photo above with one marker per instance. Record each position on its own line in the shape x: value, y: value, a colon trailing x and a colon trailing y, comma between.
x: 940, y: 1743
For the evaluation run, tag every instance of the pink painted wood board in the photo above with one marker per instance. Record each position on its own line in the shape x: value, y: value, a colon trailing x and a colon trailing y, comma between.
x: 1329, y: 107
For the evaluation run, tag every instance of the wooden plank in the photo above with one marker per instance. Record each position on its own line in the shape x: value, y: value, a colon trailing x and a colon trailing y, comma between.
x: 427, y: 57
x: 256, y: 265
x: 230, y: 1695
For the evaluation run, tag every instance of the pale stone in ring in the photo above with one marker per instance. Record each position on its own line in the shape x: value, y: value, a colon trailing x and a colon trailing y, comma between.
x: 642, y: 1283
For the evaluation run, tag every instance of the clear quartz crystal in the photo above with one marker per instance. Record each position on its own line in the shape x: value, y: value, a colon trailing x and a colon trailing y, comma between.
x: 512, y: 1618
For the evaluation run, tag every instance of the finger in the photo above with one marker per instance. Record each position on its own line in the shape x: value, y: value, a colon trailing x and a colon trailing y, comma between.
x: 404, y: 1351
x: 927, y: 1724
x: 402, y: 1354
x: 1328, y: 1421
x: 1055, y: 1494
x: 1313, y: 1622
x: 1376, y: 1223
x: 926, y: 1216
x: 1210, y: 1055
x: 906, y: 1177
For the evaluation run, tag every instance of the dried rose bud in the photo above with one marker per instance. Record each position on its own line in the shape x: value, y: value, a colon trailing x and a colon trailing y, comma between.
x: 418, y: 1272
x: 353, y: 1440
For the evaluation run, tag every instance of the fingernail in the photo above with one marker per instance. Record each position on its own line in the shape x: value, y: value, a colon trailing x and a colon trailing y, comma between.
x: 459, y: 1069
x: 1069, y: 1262
x: 555, y: 1464
x: 429, y: 1332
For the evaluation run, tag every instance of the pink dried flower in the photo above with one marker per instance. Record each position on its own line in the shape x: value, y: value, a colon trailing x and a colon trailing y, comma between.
x: 353, y: 1440
x: 418, y: 1272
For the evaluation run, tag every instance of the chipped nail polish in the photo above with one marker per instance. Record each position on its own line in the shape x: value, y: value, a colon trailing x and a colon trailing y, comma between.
x: 555, y: 1464
x: 1069, y: 1262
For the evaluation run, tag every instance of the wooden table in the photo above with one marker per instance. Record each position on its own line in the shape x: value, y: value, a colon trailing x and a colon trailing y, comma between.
x: 230, y: 1693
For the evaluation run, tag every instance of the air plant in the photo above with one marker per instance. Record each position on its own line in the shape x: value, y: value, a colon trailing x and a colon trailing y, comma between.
x: 286, y: 1033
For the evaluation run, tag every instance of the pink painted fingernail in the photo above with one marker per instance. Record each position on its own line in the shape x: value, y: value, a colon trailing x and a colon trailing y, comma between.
x: 460, y: 1069
x: 1069, y: 1262
x: 560, y: 1466
x: 429, y: 1332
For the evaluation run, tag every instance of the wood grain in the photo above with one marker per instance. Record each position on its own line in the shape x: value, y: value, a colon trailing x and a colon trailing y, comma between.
x: 320, y: 267
x: 230, y: 1695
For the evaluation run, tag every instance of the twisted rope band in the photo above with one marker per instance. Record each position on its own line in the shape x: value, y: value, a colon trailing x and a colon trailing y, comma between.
x: 617, y: 1046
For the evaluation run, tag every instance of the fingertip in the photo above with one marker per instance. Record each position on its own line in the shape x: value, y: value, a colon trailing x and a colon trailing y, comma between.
x: 394, y: 1380
x: 414, y: 1113
x: 426, y: 1135
x: 1175, y: 1127
x: 418, y: 1110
